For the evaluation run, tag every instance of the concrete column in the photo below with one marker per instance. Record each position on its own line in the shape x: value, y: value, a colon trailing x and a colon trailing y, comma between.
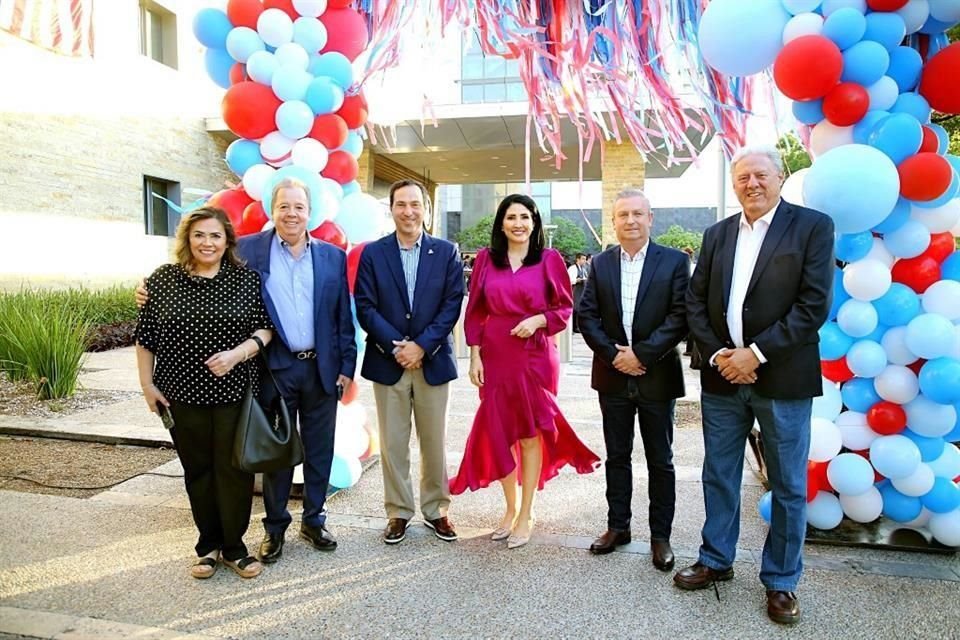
x: 365, y: 176
x: 622, y: 167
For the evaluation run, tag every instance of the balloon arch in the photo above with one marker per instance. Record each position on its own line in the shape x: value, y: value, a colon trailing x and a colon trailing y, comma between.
x: 865, y: 77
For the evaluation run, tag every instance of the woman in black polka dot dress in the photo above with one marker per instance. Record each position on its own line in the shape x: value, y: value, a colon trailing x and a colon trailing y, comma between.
x: 203, y: 318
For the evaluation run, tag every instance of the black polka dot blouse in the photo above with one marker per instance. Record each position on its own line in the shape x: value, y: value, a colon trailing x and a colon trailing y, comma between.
x: 189, y: 318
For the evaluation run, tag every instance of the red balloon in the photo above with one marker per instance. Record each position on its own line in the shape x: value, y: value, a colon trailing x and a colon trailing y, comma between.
x: 917, y: 273
x: 924, y: 176
x: 836, y: 370
x: 238, y: 73
x: 808, y: 67
x: 346, y: 32
x: 846, y: 104
x: 930, y: 141
x: 350, y: 394
x: 244, y: 13
x: 941, y: 246
x: 254, y: 218
x: 233, y: 202
x: 886, y: 5
x: 284, y: 5
x: 938, y: 84
x: 817, y: 479
x: 338, y: 4
x: 353, y: 262
x: 887, y: 418
x: 354, y: 110
x: 330, y: 231
x: 330, y: 130
x: 342, y: 167
x: 249, y: 109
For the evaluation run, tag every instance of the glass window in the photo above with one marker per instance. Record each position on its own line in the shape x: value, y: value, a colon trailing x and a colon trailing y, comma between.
x: 540, y: 188
x: 543, y: 203
x: 472, y: 67
x: 516, y: 92
x: 472, y: 93
x: 512, y: 68
x: 493, y: 67
x: 494, y: 92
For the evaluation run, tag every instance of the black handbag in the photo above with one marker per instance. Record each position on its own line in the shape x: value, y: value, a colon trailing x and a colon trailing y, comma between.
x: 262, y: 446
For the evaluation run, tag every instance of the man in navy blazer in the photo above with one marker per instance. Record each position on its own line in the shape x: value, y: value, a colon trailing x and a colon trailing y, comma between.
x: 759, y: 294
x: 408, y: 293
x: 313, y: 357
x: 632, y: 315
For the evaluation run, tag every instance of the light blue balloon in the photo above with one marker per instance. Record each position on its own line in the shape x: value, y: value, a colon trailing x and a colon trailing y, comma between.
x: 905, y: 67
x: 862, y: 130
x: 898, y: 507
x: 243, y: 154
x: 218, y: 63
x: 898, y: 306
x: 353, y: 144
x: 866, y: 359
x: 897, y: 217
x: 827, y: 186
x: 909, y: 241
x: 211, y: 27
x: 765, y: 506
x: 850, y: 474
x: 877, y: 334
x: 335, y: 66
x: 886, y: 28
x: 801, y: 6
x: 342, y: 472
x: 930, y: 336
x: 290, y: 83
x: 898, y: 137
x: 294, y: 119
x: 242, y: 42
x: 845, y: 27
x: 808, y: 111
x: 944, y: 497
x: 865, y: 63
x: 829, y: 404
x: 859, y: 394
x: 948, y: 464
x: 894, y: 457
x: 727, y: 24
x: 928, y: 418
x: 351, y: 187
x: 324, y: 96
x: 930, y: 448
x: 857, y: 318
x: 851, y: 247
x: 954, y: 435
x: 310, y: 34
x: 938, y: 380
x: 913, y: 104
x: 950, y: 268
x: 943, y: 137
x: 883, y: 94
x: 829, y: 7
x: 933, y: 27
x: 840, y: 294
x: 834, y: 343
x: 261, y: 67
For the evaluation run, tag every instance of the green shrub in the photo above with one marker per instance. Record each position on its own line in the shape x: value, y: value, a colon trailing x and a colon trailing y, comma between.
x: 679, y: 238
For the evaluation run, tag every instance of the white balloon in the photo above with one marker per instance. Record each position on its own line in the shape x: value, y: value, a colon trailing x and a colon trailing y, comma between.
x: 255, y: 179
x: 897, y: 384
x: 854, y: 430
x: 945, y: 528
x: 945, y: 10
x: 260, y: 67
x: 309, y: 154
x: 824, y: 511
x: 943, y: 297
x: 310, y: 9
x: 921, y: 520
x: 826, y: 136
x: 940, y: 219
x: 830, y: 403
x: 914, y: 14
x: 825, y: 440
x: 883, y: 94
x: 894, y: 342
x: 867, y: 280
x: 275, y: 27
x: 948, y: 464
x: 803, y: 24
x: 865, y: 507
x: 792, y: 190
x: 267, y: 225
x: 350, y: 439
x: 291, y: 54
x: 275, y: 149
x: 917, y: 483
x: 881, y: 253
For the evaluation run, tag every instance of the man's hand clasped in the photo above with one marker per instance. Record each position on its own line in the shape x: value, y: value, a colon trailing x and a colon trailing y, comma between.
x: 738, y: 366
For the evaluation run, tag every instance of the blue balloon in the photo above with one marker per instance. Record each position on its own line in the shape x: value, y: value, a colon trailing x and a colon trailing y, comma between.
x: 877, y: 334
x: 801, y: 6
x: 905, y: 67
x: 950, y: 268
x: 897, y: 218
x: 898, y: 306
x: 242, y: 42
x: 851, y: 247
x: 840, y: 294
x: 909, y: 241
x: 865, y: 63
x: 845, y: 27
x: 334, y: 65
x: 243, y: 154
x: 888, y: 29
x: 765, y: 506
x: 866, y: 359
x: 808, y: 111
x: 895, y: 457
x: 294, y: 119
x: 943, y: 137
x: 932, y: 27
x: 353, y: 144
x: 261, y: 67
x: 351, y: 187
x: 943, y: 497
x: 954, y: 435
x: 834, y: 343
x: 863, y: 129
x: 930, y: 335
x: 898, y: 507
x: 914, y: 104
x: 859, y: 394
x: 727, y: 24
x: 939, y: 380
x: 857, y: 318
x: 827, y: 186
x: 310, y: 34
x: 341, y: 474
x: 218, y: 63
x: 850, y: 474
x: 324, y: 96
x: 930, y: 448
x: 290, y: 83
x: 211, y: 27
x: 898, y: 137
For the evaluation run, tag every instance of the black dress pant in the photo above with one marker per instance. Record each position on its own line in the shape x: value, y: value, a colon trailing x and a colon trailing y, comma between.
x: 656, y: 431
x: 221, y: 497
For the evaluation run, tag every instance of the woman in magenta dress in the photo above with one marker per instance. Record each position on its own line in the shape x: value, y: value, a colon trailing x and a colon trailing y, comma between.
x: 519, y: 298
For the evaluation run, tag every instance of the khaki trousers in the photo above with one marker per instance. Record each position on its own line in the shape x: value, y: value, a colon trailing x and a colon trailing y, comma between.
x: 428, y: 405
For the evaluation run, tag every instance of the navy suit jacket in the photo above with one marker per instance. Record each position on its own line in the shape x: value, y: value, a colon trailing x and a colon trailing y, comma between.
x: 659, y: 321
x: 384, y: 311
x: 334, y: 336
x: 788, y: 299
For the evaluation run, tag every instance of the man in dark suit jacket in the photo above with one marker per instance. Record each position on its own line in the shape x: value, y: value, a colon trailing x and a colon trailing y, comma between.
x: 760, y: 292
x: 632, y: 315
x: 408, y: 292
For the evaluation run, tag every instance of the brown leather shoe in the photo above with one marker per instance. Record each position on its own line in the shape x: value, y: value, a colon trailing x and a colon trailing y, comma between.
x: 700, y: 576
x: 396, y: 530
x: 442, y: 528
x: 662, y: 554
x: 609, y: 540
x: 783, y: 607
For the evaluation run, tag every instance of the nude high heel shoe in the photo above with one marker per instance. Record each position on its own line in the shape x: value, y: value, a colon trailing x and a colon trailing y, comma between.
x: 515, y: 541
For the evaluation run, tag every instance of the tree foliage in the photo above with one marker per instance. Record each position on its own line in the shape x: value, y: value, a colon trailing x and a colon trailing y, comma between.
x: 795, y: 157
x: 679, y: 238
x: 477, y: 236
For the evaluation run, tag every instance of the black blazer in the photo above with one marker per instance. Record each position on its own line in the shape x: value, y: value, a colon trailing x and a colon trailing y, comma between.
x: 787, y: 301
x: 659, y: 321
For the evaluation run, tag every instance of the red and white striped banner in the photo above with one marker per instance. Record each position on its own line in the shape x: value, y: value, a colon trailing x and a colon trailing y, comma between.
x: 63, y: 26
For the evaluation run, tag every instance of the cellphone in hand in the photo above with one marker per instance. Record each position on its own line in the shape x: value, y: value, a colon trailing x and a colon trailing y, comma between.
x: 165, y: 417
x: 339, y: 392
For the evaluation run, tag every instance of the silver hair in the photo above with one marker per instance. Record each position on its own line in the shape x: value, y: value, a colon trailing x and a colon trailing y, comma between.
x: 758, y: 150
x: 630, y: 192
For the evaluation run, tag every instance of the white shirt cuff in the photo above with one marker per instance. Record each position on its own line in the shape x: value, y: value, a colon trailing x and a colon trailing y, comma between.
x: 713, y: 358
x: 758, y: 353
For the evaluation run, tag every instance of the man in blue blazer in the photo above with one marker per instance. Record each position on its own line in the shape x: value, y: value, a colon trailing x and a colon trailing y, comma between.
x: 313, y: 356
x: 632, y: 315
x: 408, y: 293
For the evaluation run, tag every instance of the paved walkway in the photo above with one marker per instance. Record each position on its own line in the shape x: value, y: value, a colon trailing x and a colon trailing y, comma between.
x: 115, y: 565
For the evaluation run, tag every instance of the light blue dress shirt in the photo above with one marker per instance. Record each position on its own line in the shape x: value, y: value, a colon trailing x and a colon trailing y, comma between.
x: 290, y: 286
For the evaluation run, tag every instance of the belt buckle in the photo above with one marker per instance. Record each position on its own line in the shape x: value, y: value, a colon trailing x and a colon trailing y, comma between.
x: 303, y: 355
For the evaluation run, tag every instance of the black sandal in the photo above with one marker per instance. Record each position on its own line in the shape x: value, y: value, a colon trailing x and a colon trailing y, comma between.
x: 204, y: 568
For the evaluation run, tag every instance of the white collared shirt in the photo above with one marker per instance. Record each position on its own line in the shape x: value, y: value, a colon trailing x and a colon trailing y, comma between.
x: 630, y: 271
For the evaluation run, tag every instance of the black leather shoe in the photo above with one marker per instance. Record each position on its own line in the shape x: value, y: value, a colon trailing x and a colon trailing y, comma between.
x: 662, y: 554
x: 700, y: 576
x: 319, y: 537
x: 396, y: 530
x: 609, y: 540
x: 783, y: 607
x: 271, y: 548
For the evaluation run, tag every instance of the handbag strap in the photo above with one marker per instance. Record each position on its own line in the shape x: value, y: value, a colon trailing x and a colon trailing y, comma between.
x: 261, y: 349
